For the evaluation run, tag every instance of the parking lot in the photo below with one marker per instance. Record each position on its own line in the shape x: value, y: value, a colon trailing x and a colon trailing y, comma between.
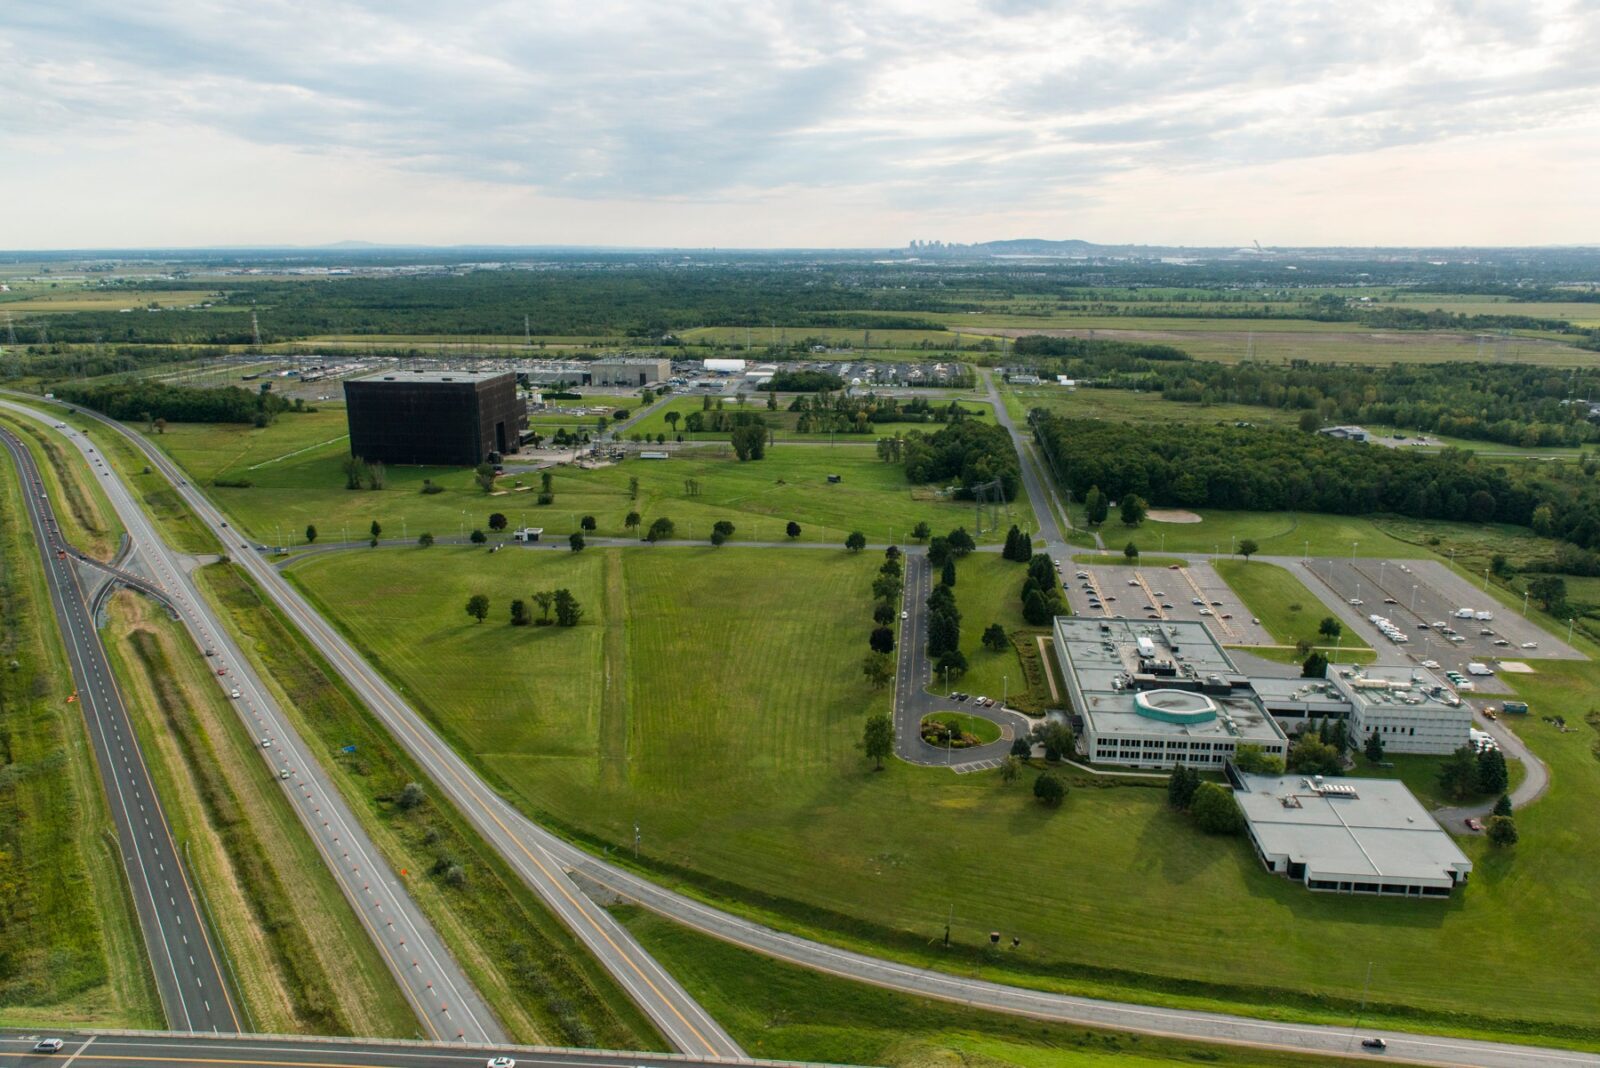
x: 1421, y: 598
x: 1196, y: 592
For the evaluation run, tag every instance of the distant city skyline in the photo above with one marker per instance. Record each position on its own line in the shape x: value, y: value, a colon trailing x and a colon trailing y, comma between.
x: 821, y: 125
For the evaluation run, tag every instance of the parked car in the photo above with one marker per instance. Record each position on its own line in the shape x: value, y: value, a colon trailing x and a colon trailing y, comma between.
x: 1530, y: 645
x: 1473, y: 824
x: 1356, y: 601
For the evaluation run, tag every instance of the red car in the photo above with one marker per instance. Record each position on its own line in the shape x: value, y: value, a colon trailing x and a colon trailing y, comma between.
x: 222, y: 671
x: 1474, y: 824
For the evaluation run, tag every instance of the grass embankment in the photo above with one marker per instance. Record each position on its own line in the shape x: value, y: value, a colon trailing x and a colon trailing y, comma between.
x: 1114, y: 557
x: 742, y: 703
x: 1291, y: 612
x: 297, y: 953
x: 87, y: 519
x: 296, y: 476
x: 71, y: 953
x: 537, y: 978
x: 782, y: 1012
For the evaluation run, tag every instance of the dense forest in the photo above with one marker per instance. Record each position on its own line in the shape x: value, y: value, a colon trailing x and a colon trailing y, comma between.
x: 1514, y: 404
x: 143, y: 402
x: 968, y: 453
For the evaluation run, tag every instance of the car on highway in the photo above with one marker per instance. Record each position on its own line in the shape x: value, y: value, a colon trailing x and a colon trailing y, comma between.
x: 501, y: 1062
x: 222, y: 671
x: 904, y: 614
x: 1390, y: 600
x: 1501, y: 642
x: 235, y: 694
x: 48, y: 1045
x: 1374, y: 1043
x: 266, y: 743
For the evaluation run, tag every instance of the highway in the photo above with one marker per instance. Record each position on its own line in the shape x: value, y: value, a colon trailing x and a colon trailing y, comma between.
x: 541, y: 856
x: 123, y: 1049
x: 447, y: 1006
x: 178, y: 941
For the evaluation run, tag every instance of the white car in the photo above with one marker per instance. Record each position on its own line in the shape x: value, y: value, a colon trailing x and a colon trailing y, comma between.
x: 235, y: 694
x: 1530, y: 645
x: 502, y: 1062
x: 48, y: 1045
x: 1358, y: 602
x: 905, y: 614
x: 266, y: 743
x: 1431, y: 665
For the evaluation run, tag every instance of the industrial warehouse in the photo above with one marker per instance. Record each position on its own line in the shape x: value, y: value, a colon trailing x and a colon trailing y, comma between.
x: 1353, y: 836
x: 442, y: 418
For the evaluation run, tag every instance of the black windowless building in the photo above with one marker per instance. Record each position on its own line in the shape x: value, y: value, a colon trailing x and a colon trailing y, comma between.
x: 442, y: 418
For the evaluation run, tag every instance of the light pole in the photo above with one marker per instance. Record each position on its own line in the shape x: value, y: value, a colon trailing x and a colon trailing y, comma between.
x: 1413, y: 597
x: 1524, y: 603
x: 1353, y: 549
x: 1306, y: 556
x: 1486, y: 580
x: 1569, y: 632
x: 1005, y: 689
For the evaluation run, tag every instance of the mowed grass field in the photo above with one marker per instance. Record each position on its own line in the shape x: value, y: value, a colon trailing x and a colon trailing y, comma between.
x: 715, y: 697
x: 784, y: 421
x: 1286, y: 607
x: 295, y: 467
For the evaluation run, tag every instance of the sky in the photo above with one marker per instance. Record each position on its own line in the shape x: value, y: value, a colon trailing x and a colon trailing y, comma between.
x: 798, y: 124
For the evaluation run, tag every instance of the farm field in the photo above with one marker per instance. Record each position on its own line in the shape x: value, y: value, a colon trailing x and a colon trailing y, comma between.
x: 1124, y: 405
x: 1287, y: 608
x: 295, y: 467
x: 74, y: 953
x: 729, y: 731
x: 35, y: 300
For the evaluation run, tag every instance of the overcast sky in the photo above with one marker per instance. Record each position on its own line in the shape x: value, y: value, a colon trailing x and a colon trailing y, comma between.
x: 752, y: 123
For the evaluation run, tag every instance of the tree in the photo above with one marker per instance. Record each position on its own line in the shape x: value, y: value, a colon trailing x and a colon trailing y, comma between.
x: 921, y: 530
x: 886, y: 588
x: 1551, y: 593
x: 939, y: 551
x: 633, y: 488
x: 497, y: 521
x: 311, y: 534
x: 519, y: 613
x: 1374, y: 748
x: 672, y: 420
x: 1134, y: 509
x: 1493, y: 777
x: 1181, y: 786
x: 882, y: 614
x: 1502, y: 831
x: 568, y: 611
x: 881, y: 640
x: 547, y: 481
x: 1458, y: 775
x: 750, y: 441
x: 1256, y: 760
x: 424, y: 540
x: 1056, y: 738
x: 588, y: 522
x: 1010, y: 767
x: 792, y: 529
x: 545, y: 599
x: 1248, y: 548
x: 483, y: 475
x: 1021, y: 748
x: 877, y: 739
x: 478, y: 537
x: 1502, y: 807
x: 1049, y: 789
x: 478, y: 607
x: 660, y: 530
x: 1095, y: 506
x: 575, y: 540
x: 994, y: 638
x: 1215, y: 810
x: 947, y: 574
x: 632, y: 520
x: 1015, y: 550
x: 411, y: 795
x: 723, y: 527
x: 961, y: 542
x: 856, y: 541
x: 1313, y: 756
x: 1309, y: 422
x: 1131, y: 551
x: 1036, y: 611
x: 1315, y: 667
x: 376, y: 530
x: 1330, y: 628
x: 952, y: 663
x: 878, y: 668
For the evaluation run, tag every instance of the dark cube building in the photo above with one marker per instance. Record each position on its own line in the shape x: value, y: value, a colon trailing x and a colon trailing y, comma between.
x: 444, y: 418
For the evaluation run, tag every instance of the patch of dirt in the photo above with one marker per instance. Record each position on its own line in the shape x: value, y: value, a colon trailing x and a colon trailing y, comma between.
x: 1171, y: 515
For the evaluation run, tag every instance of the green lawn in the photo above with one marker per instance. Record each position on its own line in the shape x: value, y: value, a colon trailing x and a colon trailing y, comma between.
x: 983, y: 730
x: 1290, y: 612
x: 295, y: 468
x: 715, y: 697
x: 1277, y: 533
x: 987, y: 591
x: 783, y: 421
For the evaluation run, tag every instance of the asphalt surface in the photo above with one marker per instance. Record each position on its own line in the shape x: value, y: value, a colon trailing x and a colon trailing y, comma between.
x: 1041, y: 491
x: 141, y: 1050
x: 178, y: 941
x: 527, y: 848
x: 446, y: 1004
x: 526, y: 845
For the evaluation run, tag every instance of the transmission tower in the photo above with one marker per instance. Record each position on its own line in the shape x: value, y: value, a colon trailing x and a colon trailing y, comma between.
x: 988, y: 495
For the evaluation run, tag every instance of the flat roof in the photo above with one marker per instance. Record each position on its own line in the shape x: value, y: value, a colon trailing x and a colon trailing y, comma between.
x: 431, y: 376
x: 1100, y: 655
x: 1367, y: 830
x: 1396, y: 690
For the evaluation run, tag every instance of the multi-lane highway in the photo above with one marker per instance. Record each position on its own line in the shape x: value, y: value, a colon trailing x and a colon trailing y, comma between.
x: 177, y: 939
x: 447, y: 1006
x: 112, y: 1049
x: 544, y: 859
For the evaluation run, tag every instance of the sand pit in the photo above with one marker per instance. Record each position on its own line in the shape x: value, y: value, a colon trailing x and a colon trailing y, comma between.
x: 1516, y: 667
x: 1171, y: 515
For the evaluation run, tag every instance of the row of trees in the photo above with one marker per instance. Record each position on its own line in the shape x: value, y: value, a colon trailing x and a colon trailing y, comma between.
x: 1019, y: 546
x: 568, y: 612
x: 147, y: 401
x: 887, y: 585
x: 1042, y: 599
x: 1212, y: 805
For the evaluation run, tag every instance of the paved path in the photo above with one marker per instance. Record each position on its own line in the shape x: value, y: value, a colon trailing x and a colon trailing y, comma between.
x: 444, y: 1000
x: 524, y: 842
x: 1040, y: 489
x: 178, y: 941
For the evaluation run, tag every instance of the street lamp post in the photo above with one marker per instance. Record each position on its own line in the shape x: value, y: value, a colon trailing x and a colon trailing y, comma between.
x: 1525, y: 603
x: 1569, y: 632
x: 1486, y: 580
x: 1353, y: 549
x: 1413, y: 597
x: 1005, y: 689
x: 1306, y: 556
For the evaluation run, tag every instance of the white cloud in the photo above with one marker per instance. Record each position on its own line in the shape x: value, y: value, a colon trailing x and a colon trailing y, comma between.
x: 828, y: 123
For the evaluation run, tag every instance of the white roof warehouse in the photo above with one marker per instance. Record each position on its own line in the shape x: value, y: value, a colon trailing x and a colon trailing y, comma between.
x: 1353, y: 836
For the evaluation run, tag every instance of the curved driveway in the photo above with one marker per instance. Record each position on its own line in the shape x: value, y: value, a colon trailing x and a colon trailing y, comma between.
x: 525, y: 843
